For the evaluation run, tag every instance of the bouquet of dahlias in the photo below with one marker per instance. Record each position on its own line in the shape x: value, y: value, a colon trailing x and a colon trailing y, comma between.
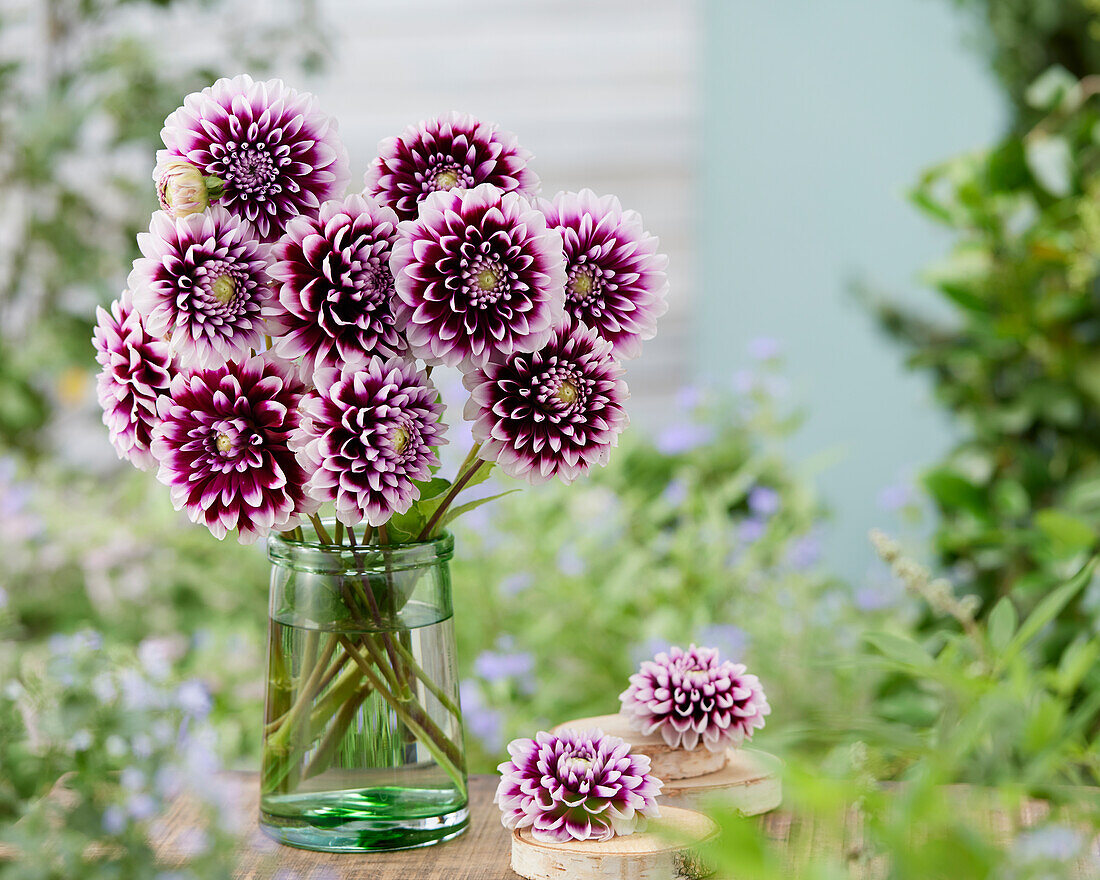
x: 271, y: 358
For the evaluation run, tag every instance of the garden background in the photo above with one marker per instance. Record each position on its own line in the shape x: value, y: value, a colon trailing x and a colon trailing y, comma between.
x: 883, y: 227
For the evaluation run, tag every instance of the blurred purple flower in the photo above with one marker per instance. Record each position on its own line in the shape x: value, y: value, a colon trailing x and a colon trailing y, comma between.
x: 494, y: 666
x: 745, y: 381
x: 3, y: 598
x: 191, y: 842
x: 683, y: 437
x: 194, y: 698
x: 569, y: 562
x: 675, y: 493
x: 689, y: 397
x: 893, y: 498
x: 141, y: 806
x: 763, y: 501
x: 751, y: 531
x: 764, y: 348
x: 516, y: 583
x: 1051, y: 843
x: 482, y: 722
x: 132, y: 779
x: 805, y: 552
x: 730, y: 640
x: 114, y: 820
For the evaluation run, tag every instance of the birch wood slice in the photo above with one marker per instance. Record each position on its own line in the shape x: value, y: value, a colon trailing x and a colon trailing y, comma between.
x: 667, y: 763
x: 645, y: 855
x: 749, y: 783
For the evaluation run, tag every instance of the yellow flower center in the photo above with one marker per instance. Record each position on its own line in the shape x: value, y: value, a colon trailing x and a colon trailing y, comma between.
x: 581, y: 284
x: 567, y: 393
x: 400, y: 439
x: 487, y: 279
x: 223, y: 288
x: 446, y: 179
x: 224, y: 443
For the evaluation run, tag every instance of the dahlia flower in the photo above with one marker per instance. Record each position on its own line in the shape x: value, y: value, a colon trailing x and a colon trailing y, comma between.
x: 453, y: 151
x: 334, y: 301
x: 275, y: 152
x: 222, y: 446
x: 616, y: 282
x: 576, y: 785
x: 201, y: 282
x: 367, y: 434
x: 477, y: 274
x: 692, y: 696
x: 553, y: 412
x: 137, y: 369
x: 181, y: 187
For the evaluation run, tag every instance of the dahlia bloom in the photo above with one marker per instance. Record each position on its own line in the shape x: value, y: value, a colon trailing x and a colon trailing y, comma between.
x: 222, y: 446
x: 477, y: 274
x: 201, y: 283
x: 576, y: 785
x: 181, y: 187
x: 137, y: 369
x: 616, y: 280
x: 275, y: 152
x: 368, y: 433
x: 335, y: 286
x: 453, y: 151
x: 692, y: 696
x: 553, y: 412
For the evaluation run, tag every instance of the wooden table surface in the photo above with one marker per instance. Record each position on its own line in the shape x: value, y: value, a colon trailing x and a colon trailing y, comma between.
x: 483, y: 852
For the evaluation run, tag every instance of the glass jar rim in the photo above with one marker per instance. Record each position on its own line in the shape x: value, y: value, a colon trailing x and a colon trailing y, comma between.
x: 316, y: 556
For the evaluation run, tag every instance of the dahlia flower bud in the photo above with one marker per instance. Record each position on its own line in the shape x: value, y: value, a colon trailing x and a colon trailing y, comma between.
x: 576, y: 785
x: 181, y: 187
x: 692, y: 696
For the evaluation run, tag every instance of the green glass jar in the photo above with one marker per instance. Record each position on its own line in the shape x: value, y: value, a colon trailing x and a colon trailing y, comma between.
x: 362, y: 727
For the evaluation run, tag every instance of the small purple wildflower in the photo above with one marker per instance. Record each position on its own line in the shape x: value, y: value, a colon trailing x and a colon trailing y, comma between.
x: 763, y: 501
x: 675, y: 493
x: 683, y: 437
x: 482, y: 721
x: 730, y: 640
x: 751, y: 530
x: 764, y: 348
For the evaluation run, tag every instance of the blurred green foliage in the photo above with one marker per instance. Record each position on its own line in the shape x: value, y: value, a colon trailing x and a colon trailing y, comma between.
x: 1024, y: 38
x: 84, y: 91
x: 1018, y: 363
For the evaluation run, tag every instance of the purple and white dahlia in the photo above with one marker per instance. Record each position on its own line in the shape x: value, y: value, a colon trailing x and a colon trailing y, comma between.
x: 453, y: 151
x: 576, y: 785
x: 136, y: 370
x: 201, y: 283
x: 616, y: 279
x: 692, y: 696
x: 276, y: 154
x: 367, y: 434
x: 477, y: 274
x: 550, y: 413
x: 223, y: 448
x: 335, y: 286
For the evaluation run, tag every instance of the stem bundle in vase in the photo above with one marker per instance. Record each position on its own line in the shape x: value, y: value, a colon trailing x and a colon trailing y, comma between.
x: 271, y: 361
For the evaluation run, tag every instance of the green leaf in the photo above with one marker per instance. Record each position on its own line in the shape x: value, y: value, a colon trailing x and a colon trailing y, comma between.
x: 952, y: 492
x: 900, y: 648
x: 455, y: 512
x: 1048, y: 609
x: 1050, y: 161
x: 1002, y: 624
x: 1068, y: 533
x: 1077, y: 661
x: 1055, y: 88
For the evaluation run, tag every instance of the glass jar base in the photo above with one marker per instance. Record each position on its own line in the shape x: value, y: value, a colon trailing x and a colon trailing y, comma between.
x: 318, y: 823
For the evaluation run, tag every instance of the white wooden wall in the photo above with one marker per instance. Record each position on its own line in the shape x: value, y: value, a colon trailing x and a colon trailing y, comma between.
x: 606, y: 95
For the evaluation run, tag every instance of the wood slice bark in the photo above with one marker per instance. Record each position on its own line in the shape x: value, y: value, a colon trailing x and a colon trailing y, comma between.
x: 667, y: 763
x: 644, y: 855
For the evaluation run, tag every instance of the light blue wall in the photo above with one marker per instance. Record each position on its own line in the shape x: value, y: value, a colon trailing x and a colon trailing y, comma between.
x: 817, y: 116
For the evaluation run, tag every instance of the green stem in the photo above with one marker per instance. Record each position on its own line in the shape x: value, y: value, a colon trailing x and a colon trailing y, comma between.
x: 278, y: 739
x: 326, y: 750
x: 457, y: 487
x: 418, y: 671
x: 414, y: 717
x: 319, y: 528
